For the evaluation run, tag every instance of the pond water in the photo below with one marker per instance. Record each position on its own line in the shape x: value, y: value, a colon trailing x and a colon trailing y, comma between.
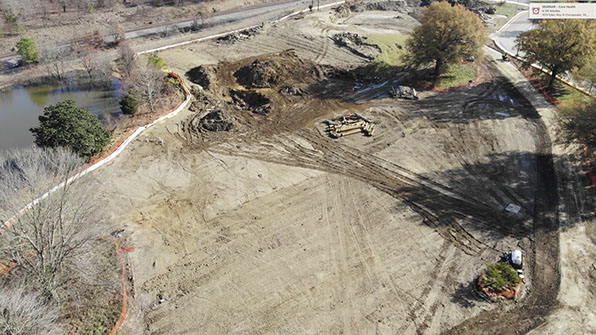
x: 21, y: 106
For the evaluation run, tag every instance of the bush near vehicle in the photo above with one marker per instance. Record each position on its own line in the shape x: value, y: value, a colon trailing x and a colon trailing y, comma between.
x: 500, y: 277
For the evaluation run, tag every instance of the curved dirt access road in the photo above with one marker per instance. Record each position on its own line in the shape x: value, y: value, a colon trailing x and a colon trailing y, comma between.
x: 532, y: 311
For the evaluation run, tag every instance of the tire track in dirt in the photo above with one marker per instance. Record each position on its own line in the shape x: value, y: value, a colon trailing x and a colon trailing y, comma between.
x: 438, y: 286
x: 438, y: 209
x: 341, y: 259
x: 419, y: 303
x: 326, y: 42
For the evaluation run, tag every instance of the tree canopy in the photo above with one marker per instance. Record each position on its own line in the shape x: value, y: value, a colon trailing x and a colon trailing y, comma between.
x: 27, y: 50
x: 447, y: 33
x: 587, y: 72
x: 559, y: 45
x: 577, y: 124
x: 65, y: 125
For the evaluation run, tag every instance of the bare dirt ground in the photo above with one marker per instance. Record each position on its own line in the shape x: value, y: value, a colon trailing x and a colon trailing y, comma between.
x: 274, y: 228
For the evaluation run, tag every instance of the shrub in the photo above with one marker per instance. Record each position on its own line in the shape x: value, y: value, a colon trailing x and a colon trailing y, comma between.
x: 27, y: 50
x: 95, y: 40
x: 65, y: 125
x: 129, y: 103
x: 158, y: 62
x: 500, y: 276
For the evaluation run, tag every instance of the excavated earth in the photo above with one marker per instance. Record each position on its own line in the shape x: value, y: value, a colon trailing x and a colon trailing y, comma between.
x: 249, y: 219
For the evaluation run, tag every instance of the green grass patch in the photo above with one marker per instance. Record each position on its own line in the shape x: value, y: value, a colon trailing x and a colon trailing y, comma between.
x: 565, y: 94
x: 392, y: 47
x: 570, y: 95
x: 509, y: 9
x: 455, y: 75
x: 500, y: 277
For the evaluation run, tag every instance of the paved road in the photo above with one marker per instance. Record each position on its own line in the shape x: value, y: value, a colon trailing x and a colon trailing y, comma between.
x: 509, y: 32
x: 277, y: 9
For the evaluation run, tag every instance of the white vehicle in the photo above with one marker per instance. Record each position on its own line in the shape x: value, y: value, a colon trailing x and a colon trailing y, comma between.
x: 517, y: 259
x: 404, y: 92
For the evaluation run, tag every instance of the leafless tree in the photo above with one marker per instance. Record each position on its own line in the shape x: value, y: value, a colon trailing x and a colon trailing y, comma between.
x: 202, y: 16
x: 148, y: 81
x: 126, y: 58
x: 55, y: 61
x: 96, y: 67
x: 103, y: 72
x: 25, y: 313
x: 87, y: 60
x: 50, y: 242
x: 64, y: 4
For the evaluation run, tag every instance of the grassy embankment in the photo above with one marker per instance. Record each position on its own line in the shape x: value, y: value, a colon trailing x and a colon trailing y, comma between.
x: 393, y: 47
x: 565, y: 94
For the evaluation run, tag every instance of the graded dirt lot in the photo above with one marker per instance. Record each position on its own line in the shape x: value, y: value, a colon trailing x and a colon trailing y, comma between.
x: 269, y: 226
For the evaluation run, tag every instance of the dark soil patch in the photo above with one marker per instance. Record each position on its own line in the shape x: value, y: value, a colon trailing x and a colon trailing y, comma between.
x: 200, y: 75
x: 255, y: 101
x: 217, y: 120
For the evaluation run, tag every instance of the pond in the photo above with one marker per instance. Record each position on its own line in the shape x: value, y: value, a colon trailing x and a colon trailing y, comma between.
x: 21, y: 106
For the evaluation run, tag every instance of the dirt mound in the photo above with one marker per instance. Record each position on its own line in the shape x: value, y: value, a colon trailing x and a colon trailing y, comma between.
x: 341, y: 11
x: 274, y: 70
x: 379, y: 6
x: 259, y: 74
x: 200, y: 75
x: 255, y: 101
x: 218, y: 120
x: 347, y: 38
x: 239, y: 36
x: 357, y: 45
x: 257, y: 95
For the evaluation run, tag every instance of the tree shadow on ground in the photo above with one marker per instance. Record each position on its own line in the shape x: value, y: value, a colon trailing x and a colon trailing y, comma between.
x: 468, y: 207
x: 467, y: 295
x: 476, y: 195
x: 496, y: 98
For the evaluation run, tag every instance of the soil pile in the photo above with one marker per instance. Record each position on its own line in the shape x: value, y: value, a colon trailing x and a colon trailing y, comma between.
x: 379, y: 6
x: 256, y: 96
x: 356, y: 44
x: 239, y: 36
x: 255, y: 101
x: 341, y: 11
x: 218, y: 120
x: 347, y: 38
x: 259, y: 74
x: 200, y: 75
x: 273, y: 70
